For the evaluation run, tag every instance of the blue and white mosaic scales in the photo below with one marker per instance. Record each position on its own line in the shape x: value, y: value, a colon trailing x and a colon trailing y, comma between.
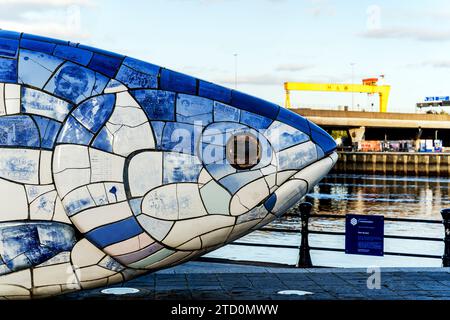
x: 111, y: 167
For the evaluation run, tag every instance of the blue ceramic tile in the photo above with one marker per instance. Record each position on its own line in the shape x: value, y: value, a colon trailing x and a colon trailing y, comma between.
x: 40, y: 46
x: 78, y: 205
x: 212, y: 153
x: 115, y: 232
x: 36, y: 68
x: 46, y: 39
x: 253, y: 104
x: 73, y: 54
x: 180, y: 168
x: 18, y: 131
x: 105, y: 64
x: 295, y: 158
x: 270, y: 202
x: 294, y: 120
x: 138, y: 74
x: 282, y: 136
x: 101, y: 51
x: 157, y: 104
x: 223, y: 112
x: 41, y: 103
x: 49, y: 130
x: 8, y: 48
x: 10, y: 34
x: 74, y: 132
x: 180, y: 137
x: 103, y: 141
x: 8, y: 70
x: 322, y: 138
x: 214, y: 92
x: 193, y: 109
x: 220, y: 170
x: 36, y: 241
x: 254, y: 120
x: 238, y: 180
x: 178, y: 82
x: 75, y: 83
x: 158, y: 127
x: 94, y: 112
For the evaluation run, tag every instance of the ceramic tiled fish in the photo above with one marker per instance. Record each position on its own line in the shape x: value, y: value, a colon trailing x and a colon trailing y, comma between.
x: 111, y: 167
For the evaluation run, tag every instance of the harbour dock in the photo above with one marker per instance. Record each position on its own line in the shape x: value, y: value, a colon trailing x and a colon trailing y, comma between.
x: 217, y: 281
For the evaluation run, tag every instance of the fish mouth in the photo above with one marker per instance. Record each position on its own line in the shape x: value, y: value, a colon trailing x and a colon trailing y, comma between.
x: 299, y: 184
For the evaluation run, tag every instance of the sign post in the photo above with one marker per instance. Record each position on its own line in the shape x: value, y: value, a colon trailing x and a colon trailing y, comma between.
x: 364, y: 234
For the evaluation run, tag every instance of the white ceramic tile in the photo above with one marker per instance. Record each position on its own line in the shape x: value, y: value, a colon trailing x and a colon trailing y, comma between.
x: 204, y: 177
x: 215, y: 198
x: 12, y: 91
x: 124, y: 99
x: 98, y: 193
x: 43, y: 207
x: 19, y: 278
x: 129, y: 245
x: 2, y: 99
x: 12, y: 106
x: 45, y: 174
x: 51, y: 275
x: 161, y: 203
x: 144, y: 173
x: 283, y: 176
x: 194, y: 244
x: 190, y: 204
x: 13, y: 291
x: 289, y: 194
x: 129, y: 139
x: 98, y: 216
x: 71, y: 179
x: 173, y: 258
x: 94, y: 273
x: 185, y: 230
x: 119, y: 195
x: 70, y: 156
x: 25, y: 163
x: 13, y: 201
x: 60, y: 214
x: 315, y: 172
x: 85, y: 254
x: 250, y: 195
x: 128, y: 116
x: 241, y: 229
x: 156, y: 228
x: 78, y: 200
x: 34, y: 191
x: 106, y: 166
x: 47, y: 291
x: 216, y: 237
x: 114, y: 86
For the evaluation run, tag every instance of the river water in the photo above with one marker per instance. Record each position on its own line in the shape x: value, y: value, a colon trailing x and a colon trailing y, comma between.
x: 403, y: 197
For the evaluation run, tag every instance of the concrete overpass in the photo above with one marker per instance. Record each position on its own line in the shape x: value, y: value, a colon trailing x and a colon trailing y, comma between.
x: 379, y: 126
x: 355, y: 119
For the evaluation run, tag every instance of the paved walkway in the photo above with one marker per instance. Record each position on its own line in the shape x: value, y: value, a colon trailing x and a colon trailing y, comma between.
x: 214, y: 281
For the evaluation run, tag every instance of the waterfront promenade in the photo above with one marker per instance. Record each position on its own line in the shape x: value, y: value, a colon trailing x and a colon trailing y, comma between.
x: 217, y: 281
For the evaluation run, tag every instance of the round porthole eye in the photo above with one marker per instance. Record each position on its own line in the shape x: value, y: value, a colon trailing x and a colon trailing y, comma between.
x: 243, y: 151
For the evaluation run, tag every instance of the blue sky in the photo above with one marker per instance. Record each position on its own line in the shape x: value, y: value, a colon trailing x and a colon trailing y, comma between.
x: 276, y: 41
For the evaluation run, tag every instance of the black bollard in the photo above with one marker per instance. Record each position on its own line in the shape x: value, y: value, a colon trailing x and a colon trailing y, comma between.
x: 446, y: 221
x: 304, y: 260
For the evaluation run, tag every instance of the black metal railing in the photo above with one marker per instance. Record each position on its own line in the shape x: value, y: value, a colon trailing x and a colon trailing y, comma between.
x: 305, y: 249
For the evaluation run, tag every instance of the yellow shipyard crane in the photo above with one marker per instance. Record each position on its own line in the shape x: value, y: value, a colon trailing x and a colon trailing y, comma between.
x: 368, y: 86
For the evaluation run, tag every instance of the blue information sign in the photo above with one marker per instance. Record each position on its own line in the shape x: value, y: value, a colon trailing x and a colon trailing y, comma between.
x: 364, y: 234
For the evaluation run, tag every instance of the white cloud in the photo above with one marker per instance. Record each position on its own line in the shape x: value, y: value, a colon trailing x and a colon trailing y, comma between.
x: 320, y: 8
x: 54, y: 18
x: 293, y: 67
x: 407, y: 33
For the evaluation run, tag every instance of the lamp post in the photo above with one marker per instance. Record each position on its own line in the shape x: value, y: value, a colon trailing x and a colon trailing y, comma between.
x: 235, y: 70
x: 353, y: 73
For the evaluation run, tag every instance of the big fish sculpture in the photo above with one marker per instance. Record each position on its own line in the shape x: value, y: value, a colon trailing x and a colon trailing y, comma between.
x: 111, y: 167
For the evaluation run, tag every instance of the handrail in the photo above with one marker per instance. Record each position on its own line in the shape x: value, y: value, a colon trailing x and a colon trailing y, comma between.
x: 304, y: 248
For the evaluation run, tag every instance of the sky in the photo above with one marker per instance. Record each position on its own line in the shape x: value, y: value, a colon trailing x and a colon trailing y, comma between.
x: 265, y: 42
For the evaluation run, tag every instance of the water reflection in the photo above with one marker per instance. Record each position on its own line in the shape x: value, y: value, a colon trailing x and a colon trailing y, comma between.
x: 405, y: 197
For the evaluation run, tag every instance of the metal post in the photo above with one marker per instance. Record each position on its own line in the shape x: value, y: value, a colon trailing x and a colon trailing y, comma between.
x: 446, y: 221
x: 304, y: 260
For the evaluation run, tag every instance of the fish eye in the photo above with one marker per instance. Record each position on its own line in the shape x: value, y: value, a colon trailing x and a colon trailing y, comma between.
x: 243, y: 151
